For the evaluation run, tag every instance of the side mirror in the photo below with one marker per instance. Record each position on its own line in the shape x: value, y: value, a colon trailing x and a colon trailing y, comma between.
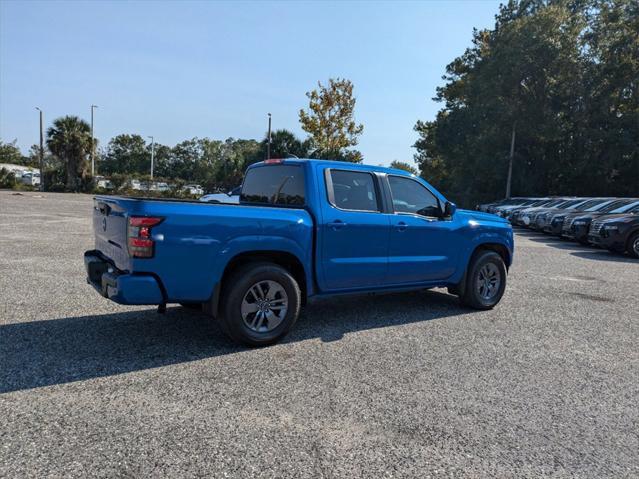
x: 449, y: 209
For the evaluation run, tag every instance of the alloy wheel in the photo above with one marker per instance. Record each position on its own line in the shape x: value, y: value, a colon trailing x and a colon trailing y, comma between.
x: 488, y: 281
x: 264, y: 306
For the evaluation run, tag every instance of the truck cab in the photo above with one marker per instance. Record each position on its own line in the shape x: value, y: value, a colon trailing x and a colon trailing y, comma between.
x: 301, y: 228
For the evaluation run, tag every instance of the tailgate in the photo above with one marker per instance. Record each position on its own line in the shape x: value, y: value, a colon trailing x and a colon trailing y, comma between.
x: 110, y: 229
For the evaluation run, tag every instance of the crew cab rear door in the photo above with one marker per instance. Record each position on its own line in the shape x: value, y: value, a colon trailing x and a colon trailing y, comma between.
x: 353, y: 241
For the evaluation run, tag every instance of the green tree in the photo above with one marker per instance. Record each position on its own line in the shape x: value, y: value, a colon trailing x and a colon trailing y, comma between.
x: 401, y: 165
x: 33, y: 158
x: 126, y: 154
x: 284, y: 144
x: 69, y: 139
x: 562, y: 75
x: 10, y: 153
x: 330, y: 122
x: 236, y: 156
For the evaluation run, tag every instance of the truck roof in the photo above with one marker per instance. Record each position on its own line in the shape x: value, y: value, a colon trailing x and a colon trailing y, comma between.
x: 336, y: 164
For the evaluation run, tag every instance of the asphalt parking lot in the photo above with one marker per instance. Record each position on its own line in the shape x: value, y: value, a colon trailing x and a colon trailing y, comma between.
x: 400, y: 385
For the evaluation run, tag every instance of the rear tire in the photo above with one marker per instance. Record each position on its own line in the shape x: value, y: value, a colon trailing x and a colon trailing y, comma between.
x: 633, y: 245
x: 485, y: 281
x: 260, y: 304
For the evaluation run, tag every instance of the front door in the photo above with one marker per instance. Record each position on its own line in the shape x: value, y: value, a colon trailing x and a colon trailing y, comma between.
x: 422, y: 245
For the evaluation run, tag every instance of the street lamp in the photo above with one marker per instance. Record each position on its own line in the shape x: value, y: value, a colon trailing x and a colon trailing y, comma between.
x: 511, y: 157
x: 152, y: 151
x: 92, y: 143
x: 268, y: 144
x: 41, y: 152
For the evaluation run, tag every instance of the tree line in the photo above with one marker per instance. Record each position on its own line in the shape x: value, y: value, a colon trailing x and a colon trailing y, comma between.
x: 561, y: 77
x: 215, y: 164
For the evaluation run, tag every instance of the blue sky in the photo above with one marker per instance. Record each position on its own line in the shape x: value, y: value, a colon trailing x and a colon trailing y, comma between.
x: 176, y: 70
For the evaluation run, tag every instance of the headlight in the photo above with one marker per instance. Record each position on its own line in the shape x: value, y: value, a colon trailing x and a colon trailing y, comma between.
x: 611, y: 227
x: 579, y: 223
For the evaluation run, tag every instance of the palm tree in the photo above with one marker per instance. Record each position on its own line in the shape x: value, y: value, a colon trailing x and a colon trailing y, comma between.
x: 69, y: 139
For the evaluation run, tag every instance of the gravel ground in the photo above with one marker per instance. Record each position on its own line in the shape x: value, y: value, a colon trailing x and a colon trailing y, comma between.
x: 400, y: 385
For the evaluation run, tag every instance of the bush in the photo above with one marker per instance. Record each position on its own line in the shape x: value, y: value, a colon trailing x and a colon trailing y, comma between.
x: 7, y: 178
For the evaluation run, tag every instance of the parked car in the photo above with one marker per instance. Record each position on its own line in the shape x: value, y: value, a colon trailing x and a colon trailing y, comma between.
x: 542, y: 215
x: 554, y: 221
x: 505, y: 209
x: 514, y: 214
x: 578, y: 227
x: 158, y: 186
x: 102, y: 182
x: 232, y: 196
x: 31, y: 178
x: 302, y: 228
x: 495, y: 208
x: 617, y: 232
x: 527, y: 216
x: 195, y: 190
x: 137, y: 185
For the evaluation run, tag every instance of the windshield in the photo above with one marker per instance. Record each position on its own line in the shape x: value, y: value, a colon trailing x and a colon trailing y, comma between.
x: 625, y: 208
x: 571, y: 204
x: 549, y: 203
x: 590, y: 204
x: 599, y: 204
x: 558, y: 204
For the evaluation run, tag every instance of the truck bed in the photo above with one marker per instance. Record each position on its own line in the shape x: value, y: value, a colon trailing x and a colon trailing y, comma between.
x: 195, y: 239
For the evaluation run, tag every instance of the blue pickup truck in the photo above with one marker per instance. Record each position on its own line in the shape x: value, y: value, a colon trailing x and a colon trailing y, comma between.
x: 302, y: 228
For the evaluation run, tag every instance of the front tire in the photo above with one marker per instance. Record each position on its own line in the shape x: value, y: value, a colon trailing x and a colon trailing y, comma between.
x: 485, y: 281
x: 633, y: 245
x: 261, y: 303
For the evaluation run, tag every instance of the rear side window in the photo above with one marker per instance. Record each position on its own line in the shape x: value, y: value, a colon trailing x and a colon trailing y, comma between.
x: 274, y: 185
x: 353, y: 190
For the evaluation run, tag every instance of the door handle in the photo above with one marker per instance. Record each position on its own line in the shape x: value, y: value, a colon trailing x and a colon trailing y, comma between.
x: 401, y: 226
x: 337, y: 225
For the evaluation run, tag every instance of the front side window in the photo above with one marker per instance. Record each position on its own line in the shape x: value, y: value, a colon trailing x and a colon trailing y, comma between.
x: 275, y: 185
x: 354, y: 190
x: 411, y: 197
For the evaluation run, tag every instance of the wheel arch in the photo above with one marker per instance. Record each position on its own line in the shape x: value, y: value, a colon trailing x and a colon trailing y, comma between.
x: 498, y: 248
x: 633, y: 231
x: 285, y: 259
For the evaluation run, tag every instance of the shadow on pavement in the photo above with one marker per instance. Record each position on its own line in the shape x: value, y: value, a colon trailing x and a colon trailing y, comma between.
x: 604, y: 255
x: 57, y: 351
x: 577, y: 249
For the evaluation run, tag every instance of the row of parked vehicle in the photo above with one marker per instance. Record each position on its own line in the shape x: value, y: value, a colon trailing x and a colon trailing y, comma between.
x: 611, y: 223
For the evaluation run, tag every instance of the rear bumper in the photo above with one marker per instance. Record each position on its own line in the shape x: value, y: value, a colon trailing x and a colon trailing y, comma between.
x: 123, y: 288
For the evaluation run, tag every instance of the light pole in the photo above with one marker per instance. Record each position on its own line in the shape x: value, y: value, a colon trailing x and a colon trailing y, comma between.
x: 93, y: 107
x: 522, y: 85
x: 41, y: 152
x: 268, y: 144
x: 510, y: 161
x: 152, y: 152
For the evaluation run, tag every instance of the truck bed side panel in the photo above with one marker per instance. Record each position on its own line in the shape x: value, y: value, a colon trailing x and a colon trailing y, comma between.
x: 196, y: 241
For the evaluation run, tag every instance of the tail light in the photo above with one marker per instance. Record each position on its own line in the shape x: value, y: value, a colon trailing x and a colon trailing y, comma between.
x: 141, y: 244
